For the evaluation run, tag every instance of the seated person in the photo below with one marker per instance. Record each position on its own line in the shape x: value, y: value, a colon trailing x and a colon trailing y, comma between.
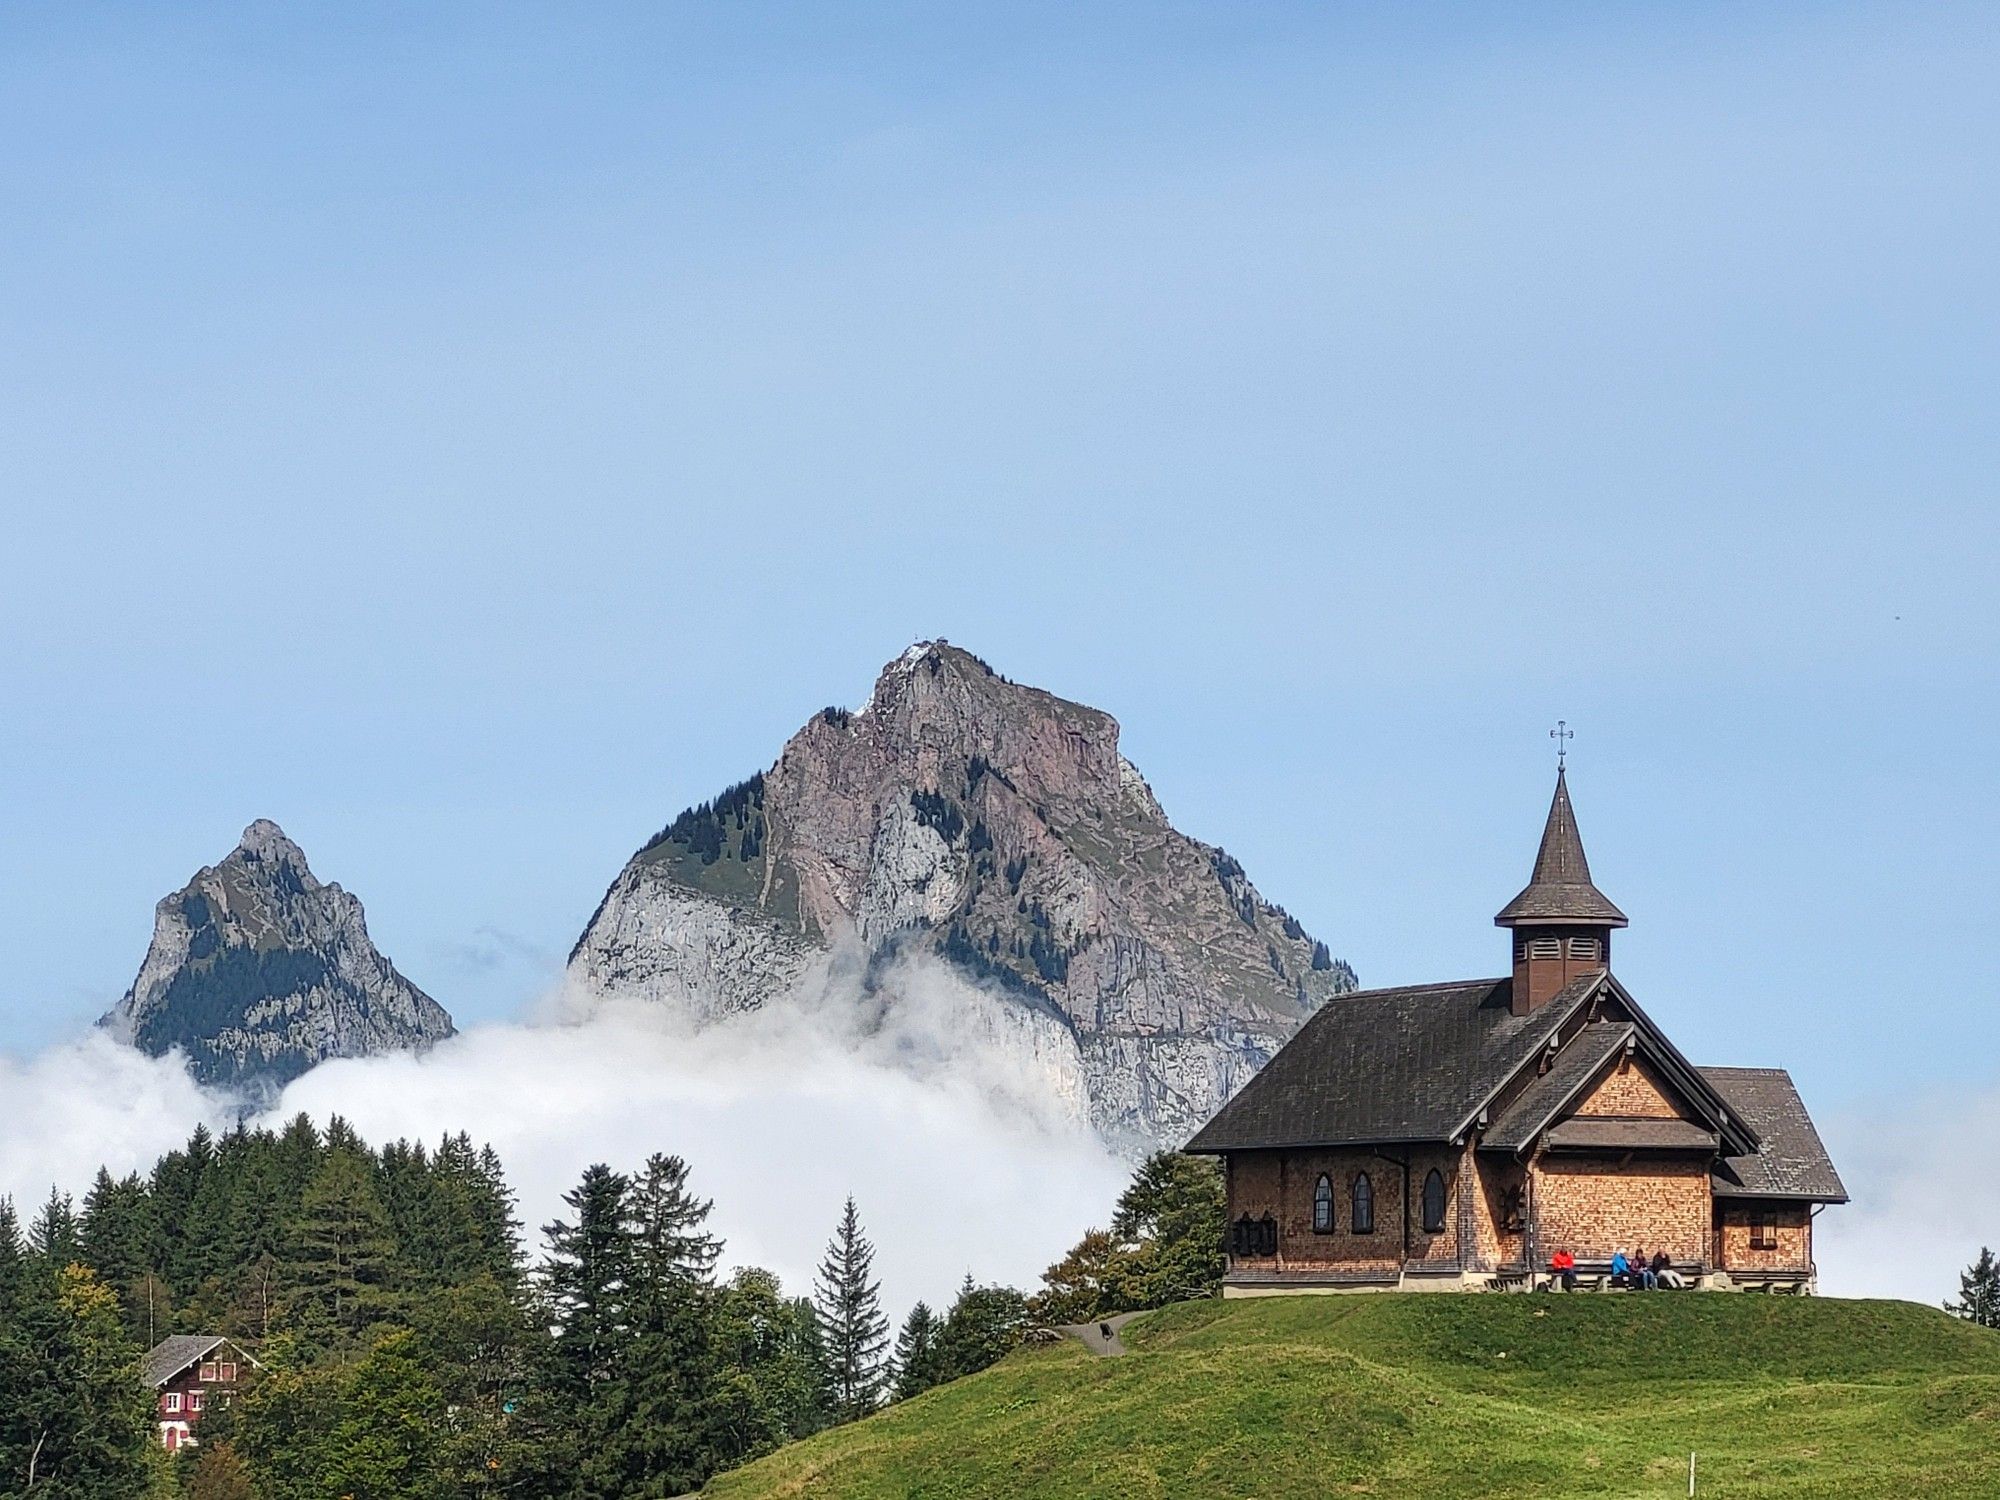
x: 1621, y: 1269
x: 1665, y: 1274
x: 1642, y: 1271
x: 1562, y: 1265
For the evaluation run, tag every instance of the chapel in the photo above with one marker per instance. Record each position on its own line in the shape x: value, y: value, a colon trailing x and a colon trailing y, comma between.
x: 1456, y: 1136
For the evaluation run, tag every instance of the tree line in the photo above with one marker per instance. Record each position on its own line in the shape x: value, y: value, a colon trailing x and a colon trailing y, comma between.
x: 407, y: 1348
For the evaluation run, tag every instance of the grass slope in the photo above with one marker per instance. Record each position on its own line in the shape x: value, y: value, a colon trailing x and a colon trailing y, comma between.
x: 1445, y: 1396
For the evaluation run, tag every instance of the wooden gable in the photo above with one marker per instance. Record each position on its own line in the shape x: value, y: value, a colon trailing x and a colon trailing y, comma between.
x: 1634, y: 1090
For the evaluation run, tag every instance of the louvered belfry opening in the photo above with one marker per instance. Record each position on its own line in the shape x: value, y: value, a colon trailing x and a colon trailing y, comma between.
x: 1560, y: 922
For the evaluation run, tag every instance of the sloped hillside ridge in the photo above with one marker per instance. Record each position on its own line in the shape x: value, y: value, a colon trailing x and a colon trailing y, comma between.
x: 998, y: 828
x: 258, y: 971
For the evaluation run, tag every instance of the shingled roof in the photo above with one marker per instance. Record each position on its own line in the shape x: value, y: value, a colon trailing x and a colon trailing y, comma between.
x: 172, y: 1355
x: 1790, y: 1162
x: 1560, y: 889
x: 1610, y: 1133
x: 1410, y: 1064
x: 1541, y: 1101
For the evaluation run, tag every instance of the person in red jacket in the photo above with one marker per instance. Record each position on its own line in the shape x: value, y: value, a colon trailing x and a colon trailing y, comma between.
x: 1563, y: 1265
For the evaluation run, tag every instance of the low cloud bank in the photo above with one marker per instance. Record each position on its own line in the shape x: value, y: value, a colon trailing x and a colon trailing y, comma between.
x: 961, y: 1158
x: 82, y: 1104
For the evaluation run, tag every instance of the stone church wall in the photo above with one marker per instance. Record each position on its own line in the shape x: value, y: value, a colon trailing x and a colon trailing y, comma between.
x: 1502, y: 1201
x: 1591, y: 1206
x: 1733, y: 1226
x: 1282, y: 1183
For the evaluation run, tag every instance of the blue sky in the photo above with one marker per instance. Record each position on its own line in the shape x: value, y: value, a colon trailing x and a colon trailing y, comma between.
x: 467, y: 434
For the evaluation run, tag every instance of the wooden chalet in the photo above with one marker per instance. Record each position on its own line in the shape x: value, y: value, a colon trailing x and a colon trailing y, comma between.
x: 189, y: 1374
x: 1455, y: 1136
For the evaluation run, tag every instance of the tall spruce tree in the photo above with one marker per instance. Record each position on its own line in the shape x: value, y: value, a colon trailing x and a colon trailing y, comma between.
x: 852, y: 1325
x: 342, y: 1252
x: 1979, y: 1292
x: 588, y: 1270
x: 665, y: 1439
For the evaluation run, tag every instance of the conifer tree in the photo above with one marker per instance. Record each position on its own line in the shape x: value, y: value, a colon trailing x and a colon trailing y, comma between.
x: 916, y: 1357
x: 73, y: 1425
x: 13, y: 1256
x: 588, y: 1270
x: 664, y: 1438
x: 851, y: 1321
x: 341, y: 1250
x: 53, y: 1235
x: 983, y: 1325
x: 1979, y: 1292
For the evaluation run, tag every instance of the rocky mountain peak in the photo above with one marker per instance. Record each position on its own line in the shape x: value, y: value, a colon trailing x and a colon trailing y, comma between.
x: 265, y: 842
x: 257, y: 971
x: 997, y: 828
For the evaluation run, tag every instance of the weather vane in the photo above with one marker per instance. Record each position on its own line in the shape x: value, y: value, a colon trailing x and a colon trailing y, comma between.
x: 1562, y: 734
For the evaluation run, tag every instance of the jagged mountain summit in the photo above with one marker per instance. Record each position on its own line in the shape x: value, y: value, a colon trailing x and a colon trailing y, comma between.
x: 257, y: 971
x: 996, y: 828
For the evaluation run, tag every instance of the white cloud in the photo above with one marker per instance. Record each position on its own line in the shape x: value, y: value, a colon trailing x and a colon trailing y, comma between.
x: 88, y: 1103
x: 780, y: 1116
x: 1926, y: 1196
x: 957, y: 1155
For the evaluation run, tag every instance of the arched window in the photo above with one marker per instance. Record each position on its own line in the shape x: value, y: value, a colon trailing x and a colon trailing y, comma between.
x: 1243, y: 1237
x: 1434, y: 1203
x: 1323, y: 1205
x: 1363, y: 1214
x: 1267, y: 1236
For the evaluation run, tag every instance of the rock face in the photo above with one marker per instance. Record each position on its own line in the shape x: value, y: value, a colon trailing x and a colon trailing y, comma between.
x: 964, y: 818
x: 258, y: 971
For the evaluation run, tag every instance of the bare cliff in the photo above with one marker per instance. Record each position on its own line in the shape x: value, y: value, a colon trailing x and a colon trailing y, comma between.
x: 996, y: 828
x: 257, y: 971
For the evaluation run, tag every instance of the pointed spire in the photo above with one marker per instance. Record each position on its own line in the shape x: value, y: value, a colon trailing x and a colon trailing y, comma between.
x: 1560, y: 889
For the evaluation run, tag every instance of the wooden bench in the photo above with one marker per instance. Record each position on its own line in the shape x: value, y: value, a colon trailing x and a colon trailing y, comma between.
x: 1595, y: 1276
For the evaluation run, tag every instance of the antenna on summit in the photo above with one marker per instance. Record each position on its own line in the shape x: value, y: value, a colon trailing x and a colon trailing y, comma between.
x: 1562, y: 734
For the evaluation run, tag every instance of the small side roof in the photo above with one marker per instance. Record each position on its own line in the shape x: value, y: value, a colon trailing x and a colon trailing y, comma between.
x: 1614, y: 1133
x: 1575, y: 1066
x: 1790, y: 1161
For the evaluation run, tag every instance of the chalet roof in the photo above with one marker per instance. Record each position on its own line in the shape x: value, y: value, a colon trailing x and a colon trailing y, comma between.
x: 1615, y: 1133
x: 1574, y: 1068
x: 1790, y: 1161
x: 1560, y: 889
x: 174, y: 1354
x: 1412, y: 1064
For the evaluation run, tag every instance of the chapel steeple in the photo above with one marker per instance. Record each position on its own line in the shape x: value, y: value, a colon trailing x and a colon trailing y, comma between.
x: 1560, y: 921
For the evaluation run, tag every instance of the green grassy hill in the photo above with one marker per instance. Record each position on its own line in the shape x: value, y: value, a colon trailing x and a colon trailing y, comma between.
x: 1444, y: 1396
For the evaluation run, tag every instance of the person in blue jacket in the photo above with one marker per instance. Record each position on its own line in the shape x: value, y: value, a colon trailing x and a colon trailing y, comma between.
x: 1621, y: 1269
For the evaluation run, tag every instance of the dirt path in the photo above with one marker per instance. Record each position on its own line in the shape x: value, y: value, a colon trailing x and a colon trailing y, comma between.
x: 1100, y: 1338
